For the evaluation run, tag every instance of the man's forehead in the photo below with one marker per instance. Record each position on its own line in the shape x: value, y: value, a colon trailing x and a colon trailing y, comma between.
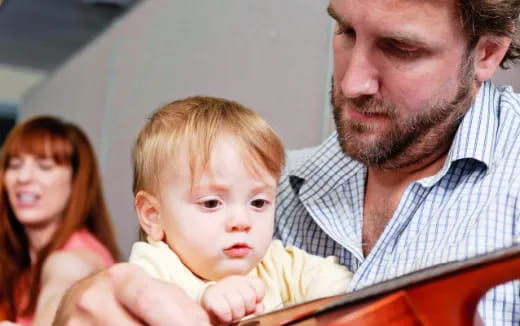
x: 341, y: 7
x: 400, y: 19
x: 398, y: 3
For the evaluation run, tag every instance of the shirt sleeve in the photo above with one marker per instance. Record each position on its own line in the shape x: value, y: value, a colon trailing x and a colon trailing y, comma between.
x: 301, y: 276
x: 159, y: 261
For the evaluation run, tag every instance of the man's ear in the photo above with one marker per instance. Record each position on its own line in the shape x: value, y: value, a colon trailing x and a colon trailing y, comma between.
x: 489, y: 52
x: 148, y: 213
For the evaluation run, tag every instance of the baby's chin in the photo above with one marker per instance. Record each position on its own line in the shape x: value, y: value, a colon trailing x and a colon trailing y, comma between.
x: 232, y: 268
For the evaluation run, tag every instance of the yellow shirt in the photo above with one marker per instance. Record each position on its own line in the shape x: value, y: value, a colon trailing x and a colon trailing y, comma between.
x: 290, y: 275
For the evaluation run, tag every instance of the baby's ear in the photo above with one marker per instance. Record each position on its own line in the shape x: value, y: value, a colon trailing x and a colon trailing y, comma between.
x: 147, y: 209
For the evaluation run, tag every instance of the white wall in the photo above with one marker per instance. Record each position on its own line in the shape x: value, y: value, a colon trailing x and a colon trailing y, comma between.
x: 270, y: 55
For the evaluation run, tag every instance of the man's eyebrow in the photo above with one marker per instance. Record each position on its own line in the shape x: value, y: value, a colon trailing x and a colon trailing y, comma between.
x: 398, y: 37
x: 405, y: 38
x: 335, y: 16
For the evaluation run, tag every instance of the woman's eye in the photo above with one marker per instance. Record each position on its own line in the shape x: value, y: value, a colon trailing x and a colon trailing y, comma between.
x: 46, y: 164
x: 213, y: 203
x: 14, y: 164
x: 259, y: 203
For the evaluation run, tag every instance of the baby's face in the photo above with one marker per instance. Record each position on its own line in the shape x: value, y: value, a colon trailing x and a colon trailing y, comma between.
x: 224, y: 225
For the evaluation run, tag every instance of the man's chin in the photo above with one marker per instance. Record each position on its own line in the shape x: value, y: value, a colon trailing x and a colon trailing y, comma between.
x: 364, y: 134
x: 364, y: 147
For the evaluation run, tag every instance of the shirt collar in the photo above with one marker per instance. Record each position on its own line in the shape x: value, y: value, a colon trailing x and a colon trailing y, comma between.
x: 476, y: 135
x: 474, y: 139
x: 327, y: 167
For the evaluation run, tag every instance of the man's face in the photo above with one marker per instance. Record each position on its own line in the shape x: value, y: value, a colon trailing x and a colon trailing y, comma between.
x: 402, y: 79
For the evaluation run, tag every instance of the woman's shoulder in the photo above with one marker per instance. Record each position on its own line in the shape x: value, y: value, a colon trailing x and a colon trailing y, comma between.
x: 80, y: 263
x: 84, y: 241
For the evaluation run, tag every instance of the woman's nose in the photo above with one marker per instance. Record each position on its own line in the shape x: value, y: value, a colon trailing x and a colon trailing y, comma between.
x: 25, y: 173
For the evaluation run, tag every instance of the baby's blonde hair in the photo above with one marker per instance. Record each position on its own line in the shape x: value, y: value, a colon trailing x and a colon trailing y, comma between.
x: 193, y: 124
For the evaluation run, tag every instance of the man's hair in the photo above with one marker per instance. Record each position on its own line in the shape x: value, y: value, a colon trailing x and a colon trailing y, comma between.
x: 189, y: 127
x: 492, y: 17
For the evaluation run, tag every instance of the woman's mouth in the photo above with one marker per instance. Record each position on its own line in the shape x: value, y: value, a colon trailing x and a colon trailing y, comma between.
x: 27, y: 199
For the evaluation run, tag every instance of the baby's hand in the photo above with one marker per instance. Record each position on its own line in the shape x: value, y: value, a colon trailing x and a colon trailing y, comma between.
x: 233, y: 297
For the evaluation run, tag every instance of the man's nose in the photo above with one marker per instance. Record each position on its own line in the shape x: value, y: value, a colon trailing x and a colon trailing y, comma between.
x: 361, y: 76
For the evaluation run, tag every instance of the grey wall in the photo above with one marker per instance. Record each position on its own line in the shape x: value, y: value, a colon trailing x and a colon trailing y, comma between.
x: 509, y: 76
x: 271, y: 55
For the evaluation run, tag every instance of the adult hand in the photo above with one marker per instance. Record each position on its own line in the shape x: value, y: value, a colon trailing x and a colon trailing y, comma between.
x: 233, y: 298
x: 125, y: 295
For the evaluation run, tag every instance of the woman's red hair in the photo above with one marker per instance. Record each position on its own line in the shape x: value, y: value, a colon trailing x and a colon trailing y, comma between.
x: 66, y: 144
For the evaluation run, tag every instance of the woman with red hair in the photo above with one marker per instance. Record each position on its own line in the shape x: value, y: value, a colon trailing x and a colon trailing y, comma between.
x: 54, y: 224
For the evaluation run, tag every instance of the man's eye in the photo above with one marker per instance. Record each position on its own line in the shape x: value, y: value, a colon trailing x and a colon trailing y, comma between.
x: 404, y: 53
x: 347, y: 31
x: 259, y: 203
x: 213, y: 203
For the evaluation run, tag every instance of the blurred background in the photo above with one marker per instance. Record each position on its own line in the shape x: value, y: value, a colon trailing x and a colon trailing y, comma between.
x: 106, y: 64
x: 36, y: 37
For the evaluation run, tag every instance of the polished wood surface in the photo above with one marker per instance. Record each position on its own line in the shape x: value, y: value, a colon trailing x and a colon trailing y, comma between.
x: 445, y: 295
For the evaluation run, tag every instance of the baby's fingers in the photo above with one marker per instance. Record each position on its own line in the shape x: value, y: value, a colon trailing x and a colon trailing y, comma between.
x: 258, y: 287
x: 259, y: 309
x: 249, y: 298
x: 220, y: 312
x: 236, y: 303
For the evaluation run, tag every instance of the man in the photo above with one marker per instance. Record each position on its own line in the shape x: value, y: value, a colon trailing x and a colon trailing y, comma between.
x: 422, y: 169
x: 431, y: 172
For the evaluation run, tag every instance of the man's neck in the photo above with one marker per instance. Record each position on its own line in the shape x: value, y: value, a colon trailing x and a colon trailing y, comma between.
x: 428, y: 166
x: 384, y: 189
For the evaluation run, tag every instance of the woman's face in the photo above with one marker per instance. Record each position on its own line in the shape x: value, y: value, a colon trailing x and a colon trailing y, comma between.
x: 38, y: 189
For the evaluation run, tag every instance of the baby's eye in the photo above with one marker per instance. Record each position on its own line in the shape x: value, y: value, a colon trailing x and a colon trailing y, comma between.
x: 259, y: 203
x: 212, y: 203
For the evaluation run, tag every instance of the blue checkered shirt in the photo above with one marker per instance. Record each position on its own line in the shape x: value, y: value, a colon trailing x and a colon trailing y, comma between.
x: 471, y: 206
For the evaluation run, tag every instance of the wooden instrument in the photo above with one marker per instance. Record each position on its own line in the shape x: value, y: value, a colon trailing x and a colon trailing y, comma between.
x: 445, y: 294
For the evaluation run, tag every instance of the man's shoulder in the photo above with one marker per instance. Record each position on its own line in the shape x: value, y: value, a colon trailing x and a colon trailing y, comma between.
x: 296, y: 157
x: 509, y: 100
x: 508, y: 117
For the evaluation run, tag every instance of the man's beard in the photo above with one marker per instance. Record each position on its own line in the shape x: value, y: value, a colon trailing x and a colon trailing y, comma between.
x: 408, y: 140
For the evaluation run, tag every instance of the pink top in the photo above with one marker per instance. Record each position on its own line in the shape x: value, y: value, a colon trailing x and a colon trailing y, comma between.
x: 81, y: 239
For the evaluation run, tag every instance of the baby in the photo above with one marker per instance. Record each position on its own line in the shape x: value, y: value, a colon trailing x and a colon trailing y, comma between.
x: 205, y: 181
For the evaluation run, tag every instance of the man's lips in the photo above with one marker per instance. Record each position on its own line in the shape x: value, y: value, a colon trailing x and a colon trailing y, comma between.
x: 365, y: 116
x: 238, y: 250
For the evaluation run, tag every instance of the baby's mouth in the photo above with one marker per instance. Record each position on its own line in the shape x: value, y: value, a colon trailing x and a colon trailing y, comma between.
x: 238, y: 250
